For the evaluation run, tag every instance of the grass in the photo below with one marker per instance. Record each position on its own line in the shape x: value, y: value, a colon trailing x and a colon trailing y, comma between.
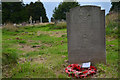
x: 41, y: 52
x: 110, y: 70
x: 51, y: 49
x: 29, y: 70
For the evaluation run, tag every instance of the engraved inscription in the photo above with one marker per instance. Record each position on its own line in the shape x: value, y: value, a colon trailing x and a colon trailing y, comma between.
x: 84, y: 16
x: 84, y: 38
x: 81, y: 17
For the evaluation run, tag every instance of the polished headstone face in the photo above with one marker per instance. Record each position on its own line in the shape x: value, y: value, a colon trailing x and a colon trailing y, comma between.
x: 86, y: 34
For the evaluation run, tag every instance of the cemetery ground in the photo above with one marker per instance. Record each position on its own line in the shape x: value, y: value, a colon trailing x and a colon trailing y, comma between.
x: 41, y: 52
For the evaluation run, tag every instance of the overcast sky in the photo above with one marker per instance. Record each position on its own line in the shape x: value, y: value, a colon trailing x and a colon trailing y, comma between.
x: 50, y: 6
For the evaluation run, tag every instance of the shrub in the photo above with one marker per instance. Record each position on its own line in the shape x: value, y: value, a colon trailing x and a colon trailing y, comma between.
x: 60, y: 25
x: 64, y: 36
x: 111, y: 17
x: 112, y: 25
x: 22, y: 41
x: 10, y: 27
x: 112, y: 29
x: 9, y: 56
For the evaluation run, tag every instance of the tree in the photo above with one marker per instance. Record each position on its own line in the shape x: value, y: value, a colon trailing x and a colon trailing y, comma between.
x: 12, y: 12
x: 40, y: 11
x: 60, y: 11
x: 115, y: 6
x: 36, y: 10
x: 17, y: 12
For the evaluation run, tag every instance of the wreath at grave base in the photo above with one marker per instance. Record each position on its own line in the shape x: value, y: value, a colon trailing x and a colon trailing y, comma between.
x: 76, y: 70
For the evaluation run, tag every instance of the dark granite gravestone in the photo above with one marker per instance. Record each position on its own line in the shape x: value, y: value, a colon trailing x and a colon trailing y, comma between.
x: 86, y: 34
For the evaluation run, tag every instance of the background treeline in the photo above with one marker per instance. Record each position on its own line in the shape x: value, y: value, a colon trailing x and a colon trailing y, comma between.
x: 59, y: 12
x: 18, y: 12
x: 115, y: 6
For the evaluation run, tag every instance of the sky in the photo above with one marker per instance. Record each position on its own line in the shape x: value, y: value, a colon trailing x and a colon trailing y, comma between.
x: 50, y: 6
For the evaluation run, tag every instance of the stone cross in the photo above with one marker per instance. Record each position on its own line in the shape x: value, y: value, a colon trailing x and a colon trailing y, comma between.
x: 86, y: 34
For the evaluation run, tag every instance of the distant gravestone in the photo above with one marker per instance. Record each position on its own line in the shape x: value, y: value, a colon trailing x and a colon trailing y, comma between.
x: 86, y: 34
x: 40, y: 19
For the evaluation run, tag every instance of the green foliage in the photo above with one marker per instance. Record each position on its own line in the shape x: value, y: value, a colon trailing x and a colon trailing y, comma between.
x: 115, y: 6
x: 36, y: 10
x: 9, y: 56
x: 60, y: 25
x: 13, y: 12
x: 28, y: 70
x: 60, y: 11
x: 47, y: 60
x: 64, y: 36
x: 10, y: 27
x: 112, y: 29
x: 112, y: 25
x: 17, y: 12
x: 110, y: 70
x: 31, y: 54
x: 22, y: 41
x: 61, y: 76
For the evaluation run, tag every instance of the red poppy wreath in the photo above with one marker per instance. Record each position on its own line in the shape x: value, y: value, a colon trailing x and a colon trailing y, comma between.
x: 76, y: 70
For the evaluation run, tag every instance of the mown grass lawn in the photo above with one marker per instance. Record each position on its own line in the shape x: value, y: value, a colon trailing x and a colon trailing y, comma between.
x: 41, y: 52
